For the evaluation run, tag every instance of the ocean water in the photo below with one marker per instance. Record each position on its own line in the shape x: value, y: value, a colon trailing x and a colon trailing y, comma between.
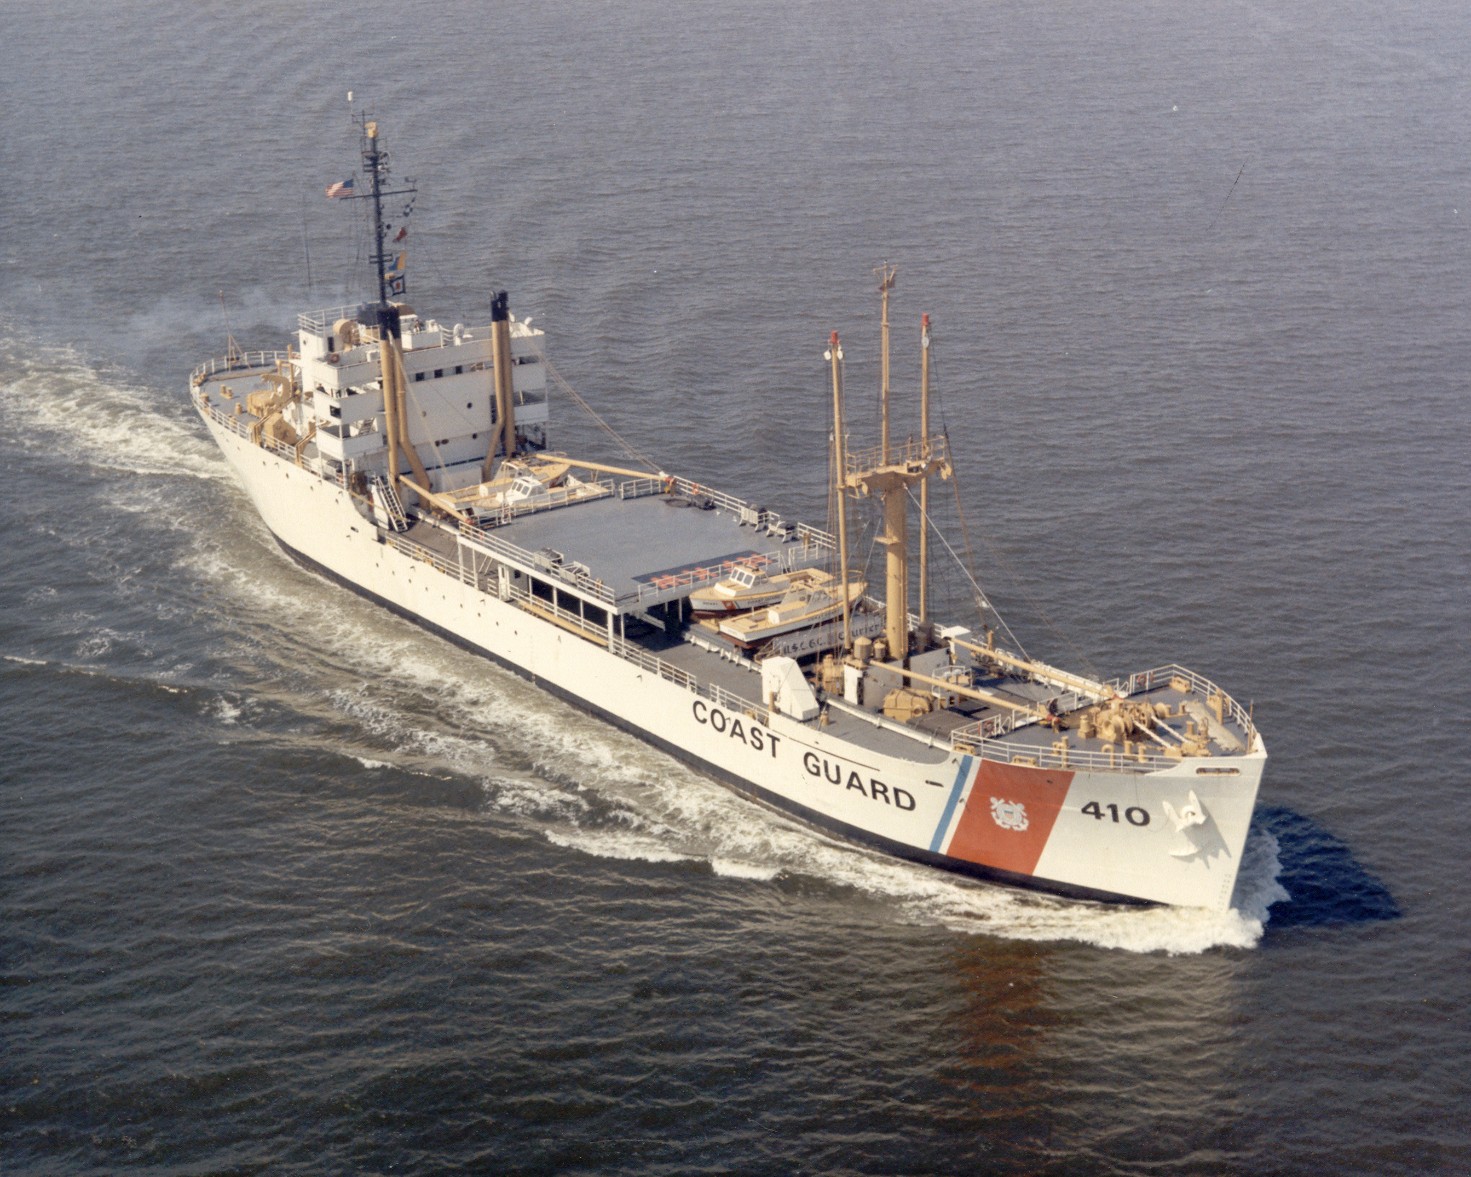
x: 288, y: 885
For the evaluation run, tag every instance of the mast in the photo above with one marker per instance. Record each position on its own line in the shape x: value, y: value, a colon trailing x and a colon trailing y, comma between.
x: 923, y: 608
x: 386, y: 314
x: 886, y: 275
x: 894, y: 491
x: 889, y: 476
x: 834, y: 355
x: 375, y: 164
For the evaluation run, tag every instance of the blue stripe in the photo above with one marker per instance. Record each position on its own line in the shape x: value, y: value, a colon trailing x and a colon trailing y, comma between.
x: 951, y: 802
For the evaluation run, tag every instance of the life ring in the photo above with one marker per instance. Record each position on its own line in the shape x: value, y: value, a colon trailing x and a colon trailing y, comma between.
x: 333, y: 357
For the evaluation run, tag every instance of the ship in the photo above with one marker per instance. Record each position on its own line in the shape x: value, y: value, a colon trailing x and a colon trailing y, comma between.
x: 411, y: 462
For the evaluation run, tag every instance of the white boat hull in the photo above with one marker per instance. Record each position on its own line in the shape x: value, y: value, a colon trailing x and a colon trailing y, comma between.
x: 1101, y: 834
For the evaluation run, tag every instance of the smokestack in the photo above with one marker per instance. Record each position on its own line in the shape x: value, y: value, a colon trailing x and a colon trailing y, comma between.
x: 500, y: 357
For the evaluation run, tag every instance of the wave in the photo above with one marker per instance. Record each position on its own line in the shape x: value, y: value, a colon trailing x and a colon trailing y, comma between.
x: 56, y: 402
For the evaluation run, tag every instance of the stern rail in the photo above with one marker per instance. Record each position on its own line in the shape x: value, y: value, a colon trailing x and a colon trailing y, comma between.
x: 244, y: 362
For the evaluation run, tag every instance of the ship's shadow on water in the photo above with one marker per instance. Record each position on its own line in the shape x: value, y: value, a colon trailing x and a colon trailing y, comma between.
x: 1324, y: 882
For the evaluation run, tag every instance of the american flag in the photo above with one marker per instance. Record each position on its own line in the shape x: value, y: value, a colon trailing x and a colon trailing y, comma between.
x: 341, y: 188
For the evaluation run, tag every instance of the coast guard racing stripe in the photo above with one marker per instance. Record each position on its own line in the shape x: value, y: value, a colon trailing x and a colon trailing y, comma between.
x: 1007, y: 814
x: 962, y: 778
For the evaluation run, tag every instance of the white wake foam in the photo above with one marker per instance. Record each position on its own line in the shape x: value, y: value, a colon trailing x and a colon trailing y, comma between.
x: 616, y: 844
x: 54, y: 400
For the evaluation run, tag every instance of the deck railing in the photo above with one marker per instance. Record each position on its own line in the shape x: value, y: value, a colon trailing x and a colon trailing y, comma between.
x: 670, y: 673
x: 574, y: 576
x: 986, y: 738
x: 620, y: 647
x: 901, y: 453
x: 805, y: 537
x: 594, y: 633
x: 464, y: 573
x: 969, y: 741
x: 1148, y: 680
x: 245, y: 362
x: 248, y: 430
x: 320, y: 322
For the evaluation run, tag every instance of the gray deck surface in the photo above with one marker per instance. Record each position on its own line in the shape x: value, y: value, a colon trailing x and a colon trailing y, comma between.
x: 626, y: 543
x: 927, y: 738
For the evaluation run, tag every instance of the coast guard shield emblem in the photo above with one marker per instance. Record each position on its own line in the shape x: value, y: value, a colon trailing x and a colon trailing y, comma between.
x: 1011, y: 832
x: 1009, y: 815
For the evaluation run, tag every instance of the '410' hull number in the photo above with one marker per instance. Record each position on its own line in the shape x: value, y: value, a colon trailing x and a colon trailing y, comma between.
x: 1134, y: 815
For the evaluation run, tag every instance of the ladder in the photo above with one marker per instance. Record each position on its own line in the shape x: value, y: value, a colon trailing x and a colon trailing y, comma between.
x: 388, y: 504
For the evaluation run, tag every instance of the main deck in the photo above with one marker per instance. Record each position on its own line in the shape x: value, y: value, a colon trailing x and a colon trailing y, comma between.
x: 615, y: 566
x: 1011, y: 724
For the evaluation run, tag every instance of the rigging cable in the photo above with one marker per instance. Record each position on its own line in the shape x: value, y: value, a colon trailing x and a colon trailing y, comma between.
x: 1230, y: 190
x: 982, y: 602
x: 617, y: 439
x: 998, y: 560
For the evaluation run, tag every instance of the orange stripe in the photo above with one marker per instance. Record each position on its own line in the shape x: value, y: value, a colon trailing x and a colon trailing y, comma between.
x: 980, y: 837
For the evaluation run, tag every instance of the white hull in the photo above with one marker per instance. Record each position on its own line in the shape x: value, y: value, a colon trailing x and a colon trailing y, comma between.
x: 1093, y: 832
